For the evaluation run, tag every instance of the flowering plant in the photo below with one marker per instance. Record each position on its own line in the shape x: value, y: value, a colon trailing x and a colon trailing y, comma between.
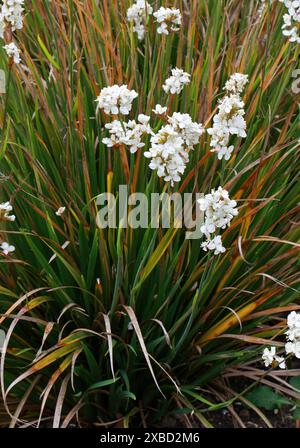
x: 190, y: 103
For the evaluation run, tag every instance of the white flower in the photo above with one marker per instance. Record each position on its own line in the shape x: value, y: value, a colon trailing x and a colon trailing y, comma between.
x: 236, y: 83
x: 291, y: 20
x: 129, y: 134
x: 143, y: 119
x: 294, y: 348
x: 137, y: 14
x: 190, y: 131
x: 214, y: 244
x: 116, y: 99
x: 230, y: 118
x: 168, y: 155
x: 6, y: 248
x: 116, y: 132
x: 169, y: 19
x: 13, y: 52
x: 159, y: 110
x: 293, y: 322
x: 281, y: 362
x: 5, y: 209
x: 269, y: 357
x: 171, y: 145
x: 11, y: 14
x: 218, y: 210
x: 60, y: 211
x: 177, y: 81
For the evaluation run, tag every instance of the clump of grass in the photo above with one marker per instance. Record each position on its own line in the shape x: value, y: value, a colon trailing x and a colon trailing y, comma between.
x: 128, y: 326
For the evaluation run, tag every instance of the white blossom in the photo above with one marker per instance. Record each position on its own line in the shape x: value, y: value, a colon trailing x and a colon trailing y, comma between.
x: 11, y: 14
x: 169, y: 151
x: 270, y: 358
x: 60, y: 211
x: 230, y: 118
x: 190, y: 131
x: 214, y: 244
x: 5, y: 209
x: 236, y: 83
x: 169, y: 19
x: 291, y: 20
x: 177, y: 81
x: 159, y: 110
x: 293, y: 348
x: 280, y: 361
x: 129, y: 134
x: 13, y: 52
x: 293, y: 322
x: 7, y: 248
x: 218, y: 210
x: 137, y: 14
x: 116, y: 99
x: 168, y: 155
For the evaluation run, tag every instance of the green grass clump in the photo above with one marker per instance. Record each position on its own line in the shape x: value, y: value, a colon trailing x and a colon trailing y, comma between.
x: 69, y: 354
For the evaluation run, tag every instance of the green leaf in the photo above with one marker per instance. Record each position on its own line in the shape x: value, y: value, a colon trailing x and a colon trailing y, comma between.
x: 296, y: 413
x: 103, y: 383
x: 265, y: 397
x: 47, y: 54
x: 295, y: 382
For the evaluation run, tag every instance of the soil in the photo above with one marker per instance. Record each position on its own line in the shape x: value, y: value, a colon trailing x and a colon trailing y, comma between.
x: 278, y: 418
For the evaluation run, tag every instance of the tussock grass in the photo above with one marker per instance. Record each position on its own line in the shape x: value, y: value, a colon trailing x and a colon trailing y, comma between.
x: 69, y: 356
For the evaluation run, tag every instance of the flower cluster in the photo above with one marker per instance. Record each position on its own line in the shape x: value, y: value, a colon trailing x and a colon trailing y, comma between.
x: 129, y: 134
x: 12, y: 14
x: 13, y: 52
x: 218, y: 211
x: 215, y: 244
x: 271, y: 359
x: 236, y: 83
x: 292, y: 346
x: 116, y: 99
x: 137, y: 14
x: 291, y: 25
x: 7, y: 248
x: 159, y: 110
x: 169, y: 19
x: 293, y: 334
x: 189, y: 130
x: 230, y: 117
x: 5, y: 209
x: 169, y: 151
x: 177, y: 81
x: 11, y: 17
